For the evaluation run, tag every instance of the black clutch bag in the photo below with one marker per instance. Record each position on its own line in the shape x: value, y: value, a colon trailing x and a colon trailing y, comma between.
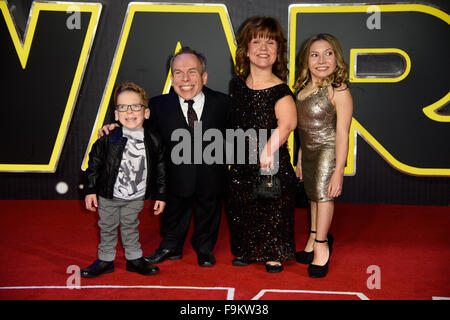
x: 267, y: 187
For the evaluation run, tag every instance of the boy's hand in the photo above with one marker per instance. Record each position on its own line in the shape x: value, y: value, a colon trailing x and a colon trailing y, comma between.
x: 159, y: 207
x: 106, y: 129
x: 91, y: 202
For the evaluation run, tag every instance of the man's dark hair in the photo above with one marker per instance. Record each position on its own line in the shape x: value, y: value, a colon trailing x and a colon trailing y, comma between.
x: 185, y: 50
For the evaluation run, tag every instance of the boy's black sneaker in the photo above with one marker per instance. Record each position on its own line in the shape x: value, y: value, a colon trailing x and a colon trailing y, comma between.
x: 99, y: 267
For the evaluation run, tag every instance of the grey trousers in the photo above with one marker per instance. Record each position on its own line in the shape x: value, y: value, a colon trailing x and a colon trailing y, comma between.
x: 115, y: 212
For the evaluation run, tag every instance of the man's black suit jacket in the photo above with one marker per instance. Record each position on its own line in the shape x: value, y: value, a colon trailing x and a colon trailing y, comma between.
x: 165, y: 117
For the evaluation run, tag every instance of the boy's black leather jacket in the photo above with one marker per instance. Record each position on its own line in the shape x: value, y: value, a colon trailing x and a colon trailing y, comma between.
x: 104, y: 163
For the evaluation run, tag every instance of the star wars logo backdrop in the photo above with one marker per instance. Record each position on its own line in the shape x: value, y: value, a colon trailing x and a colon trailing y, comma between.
x: 61, y: 60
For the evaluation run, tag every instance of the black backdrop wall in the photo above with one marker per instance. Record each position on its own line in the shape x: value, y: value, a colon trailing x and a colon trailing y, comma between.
x: 418, y: 143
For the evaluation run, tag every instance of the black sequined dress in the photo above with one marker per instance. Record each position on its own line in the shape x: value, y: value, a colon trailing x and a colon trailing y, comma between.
x: 260, y: 230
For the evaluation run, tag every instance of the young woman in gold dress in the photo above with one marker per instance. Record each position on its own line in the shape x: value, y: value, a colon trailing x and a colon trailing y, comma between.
x: 324, y: 111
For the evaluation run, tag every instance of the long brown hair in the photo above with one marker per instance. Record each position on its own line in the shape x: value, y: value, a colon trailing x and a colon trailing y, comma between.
x: 337, y: 78
x: 266, y: 27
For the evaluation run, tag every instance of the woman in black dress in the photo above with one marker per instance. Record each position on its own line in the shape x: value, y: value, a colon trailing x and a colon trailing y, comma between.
x: 262, y: 230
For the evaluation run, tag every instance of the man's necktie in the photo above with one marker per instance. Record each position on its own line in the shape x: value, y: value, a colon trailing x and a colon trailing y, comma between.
x: 191, y: 115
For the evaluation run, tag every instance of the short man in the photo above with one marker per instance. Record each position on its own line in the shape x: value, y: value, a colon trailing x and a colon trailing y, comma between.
x: 192, y: 188
x: 200, y: 185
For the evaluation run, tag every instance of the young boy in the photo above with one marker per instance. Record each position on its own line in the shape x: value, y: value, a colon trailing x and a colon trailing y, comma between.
x: 125, y: 167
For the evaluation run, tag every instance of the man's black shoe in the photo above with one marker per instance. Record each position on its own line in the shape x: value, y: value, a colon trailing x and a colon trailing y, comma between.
x: 99, y: 267
x: 206, y: 260
x: 161, y: 255
x: 239, y: 262
x: 141, y: 266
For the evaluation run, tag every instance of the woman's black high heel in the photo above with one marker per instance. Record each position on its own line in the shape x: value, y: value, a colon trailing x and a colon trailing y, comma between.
x: 305, y: 257
x: 274, y: 268
x: 316, y: 271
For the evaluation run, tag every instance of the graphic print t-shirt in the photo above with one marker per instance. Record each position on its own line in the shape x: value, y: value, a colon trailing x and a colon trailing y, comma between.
x: 131, y: 180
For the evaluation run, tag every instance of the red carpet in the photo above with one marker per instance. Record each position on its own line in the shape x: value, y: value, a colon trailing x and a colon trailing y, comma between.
x: 410, y: 245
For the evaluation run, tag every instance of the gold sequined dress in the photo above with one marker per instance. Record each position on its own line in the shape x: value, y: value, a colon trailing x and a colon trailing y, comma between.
x: 260, y: 230
x: 317, y: 131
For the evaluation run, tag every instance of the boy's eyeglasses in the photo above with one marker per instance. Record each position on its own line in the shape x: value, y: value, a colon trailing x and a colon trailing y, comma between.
x: 133, y: 107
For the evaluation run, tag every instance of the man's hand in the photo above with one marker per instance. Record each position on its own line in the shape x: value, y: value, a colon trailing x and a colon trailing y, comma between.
x: 106, y: 129
x: 159, y: 207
